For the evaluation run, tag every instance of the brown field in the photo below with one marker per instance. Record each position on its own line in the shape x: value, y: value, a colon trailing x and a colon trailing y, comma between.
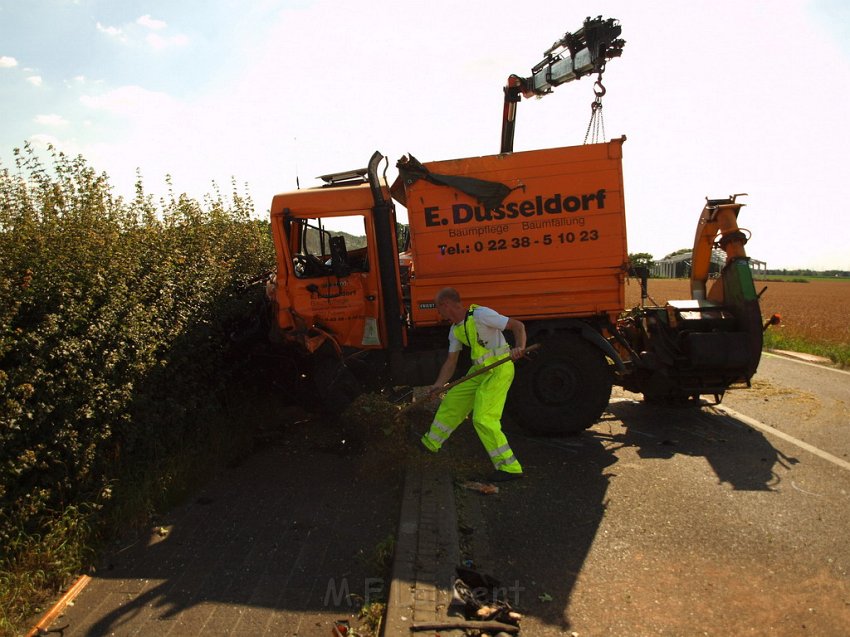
x: 818, y: 311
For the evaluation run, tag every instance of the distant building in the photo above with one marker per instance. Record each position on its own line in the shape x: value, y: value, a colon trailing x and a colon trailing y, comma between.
x: 679, y: 266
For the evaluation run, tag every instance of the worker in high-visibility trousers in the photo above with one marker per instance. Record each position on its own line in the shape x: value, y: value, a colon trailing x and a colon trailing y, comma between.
x: 479, y: 328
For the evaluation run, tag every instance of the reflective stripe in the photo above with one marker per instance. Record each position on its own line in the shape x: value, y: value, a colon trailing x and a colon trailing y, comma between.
x: 435, y: 438
x: 491, y: 353
x: 505, y: 461
x: 445, y: 429
x: 501, y: 462
x: 441, y: 434
x: 500, y: 450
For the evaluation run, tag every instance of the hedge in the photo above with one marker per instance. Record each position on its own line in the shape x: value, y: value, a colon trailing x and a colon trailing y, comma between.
x: 114, y: 357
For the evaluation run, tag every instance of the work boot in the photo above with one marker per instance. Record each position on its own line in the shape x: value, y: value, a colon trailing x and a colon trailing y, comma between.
x: 503, y: 476
x: 414, y: 439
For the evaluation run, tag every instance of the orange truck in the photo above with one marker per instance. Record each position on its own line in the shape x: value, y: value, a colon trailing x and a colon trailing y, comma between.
x: 537, y: 235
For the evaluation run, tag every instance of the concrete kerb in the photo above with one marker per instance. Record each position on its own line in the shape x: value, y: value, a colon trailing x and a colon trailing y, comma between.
x: 426, y: 553
x: 801, y: 356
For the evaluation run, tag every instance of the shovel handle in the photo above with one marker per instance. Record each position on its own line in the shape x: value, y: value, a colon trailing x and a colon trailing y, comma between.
x: 486, y: 368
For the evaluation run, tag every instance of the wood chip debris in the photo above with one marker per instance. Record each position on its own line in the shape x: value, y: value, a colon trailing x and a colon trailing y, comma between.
x: 481, y: 487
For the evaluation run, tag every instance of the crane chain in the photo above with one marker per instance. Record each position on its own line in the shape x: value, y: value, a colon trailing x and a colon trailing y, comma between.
x: 597, y: 120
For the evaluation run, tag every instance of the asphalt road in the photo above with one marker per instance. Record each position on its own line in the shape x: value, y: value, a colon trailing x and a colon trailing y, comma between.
x: 675, y: 521
x: 810, y: 402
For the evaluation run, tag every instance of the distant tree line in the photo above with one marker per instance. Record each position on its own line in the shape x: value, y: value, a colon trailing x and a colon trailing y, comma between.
x: 638, y: 259
x: 807, y: 272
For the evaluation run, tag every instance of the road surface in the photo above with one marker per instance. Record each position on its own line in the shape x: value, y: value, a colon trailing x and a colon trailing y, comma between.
x: 672, y: 521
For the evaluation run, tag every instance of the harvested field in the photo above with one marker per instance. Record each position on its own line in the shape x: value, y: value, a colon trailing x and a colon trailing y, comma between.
x: 816, y: 310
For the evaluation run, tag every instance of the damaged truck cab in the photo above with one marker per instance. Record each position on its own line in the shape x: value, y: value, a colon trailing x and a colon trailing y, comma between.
x: 326, y: 292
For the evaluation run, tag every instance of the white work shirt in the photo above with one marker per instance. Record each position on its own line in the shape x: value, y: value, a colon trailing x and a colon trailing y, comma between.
x: 489, y: 325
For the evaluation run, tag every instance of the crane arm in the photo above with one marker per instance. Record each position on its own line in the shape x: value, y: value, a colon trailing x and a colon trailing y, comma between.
x: 570, y: 58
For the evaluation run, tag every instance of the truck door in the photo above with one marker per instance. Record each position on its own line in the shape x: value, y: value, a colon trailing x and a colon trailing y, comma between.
x: 333, y: 286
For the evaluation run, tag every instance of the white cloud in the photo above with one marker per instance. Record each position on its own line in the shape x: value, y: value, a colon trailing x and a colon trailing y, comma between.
x: 131, y: 101
x: 147, y: 29
x: 43, y: 140
x: 113, y: 32
x: 35, y: 80
x: 148, y: 22
x: 82, y: 82
x: 159, y: 43
x: 51, y: 120
x: 7, y: 62
x: 108, y: 30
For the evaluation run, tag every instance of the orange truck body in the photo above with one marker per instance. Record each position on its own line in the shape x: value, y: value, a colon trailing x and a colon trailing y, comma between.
x: 549, y: 250
x: 538, y: 236
x: 555, y: 247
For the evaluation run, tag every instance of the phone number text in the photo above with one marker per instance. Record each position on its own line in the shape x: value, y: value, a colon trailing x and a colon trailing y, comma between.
x: 492, y: 245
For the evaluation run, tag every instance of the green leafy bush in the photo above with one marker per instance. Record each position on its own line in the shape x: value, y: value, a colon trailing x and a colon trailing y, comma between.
x: 114, y: 354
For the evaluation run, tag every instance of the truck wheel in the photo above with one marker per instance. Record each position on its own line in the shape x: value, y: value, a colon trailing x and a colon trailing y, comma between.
x: 562, y: 390
x: 335, y: 384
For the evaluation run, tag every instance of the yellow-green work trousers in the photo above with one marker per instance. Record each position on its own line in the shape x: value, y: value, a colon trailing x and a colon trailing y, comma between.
x: 485, y: 397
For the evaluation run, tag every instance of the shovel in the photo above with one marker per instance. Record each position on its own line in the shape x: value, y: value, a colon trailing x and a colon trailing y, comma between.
x: 455, y: 383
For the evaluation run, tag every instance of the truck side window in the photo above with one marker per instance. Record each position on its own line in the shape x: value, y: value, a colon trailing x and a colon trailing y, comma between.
x: 320, y: 249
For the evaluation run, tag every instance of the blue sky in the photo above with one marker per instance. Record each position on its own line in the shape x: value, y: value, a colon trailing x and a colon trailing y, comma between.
x: 715, y: 97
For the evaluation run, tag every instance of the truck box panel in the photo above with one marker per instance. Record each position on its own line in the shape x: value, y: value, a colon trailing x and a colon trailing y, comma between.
x: 556, y: 245
x: 542, y: 298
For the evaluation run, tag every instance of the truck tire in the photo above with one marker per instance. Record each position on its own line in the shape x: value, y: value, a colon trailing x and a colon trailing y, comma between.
x: 335, y: 384
x: 563, y: 389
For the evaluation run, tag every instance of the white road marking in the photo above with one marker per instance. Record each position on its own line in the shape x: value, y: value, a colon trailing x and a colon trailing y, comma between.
x: 794, y: 484
x: 795, y: 360
x: 752, y: 422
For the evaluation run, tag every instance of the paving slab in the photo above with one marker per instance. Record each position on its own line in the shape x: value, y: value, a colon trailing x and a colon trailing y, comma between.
x: 284, y: 544
x: 427, y: 552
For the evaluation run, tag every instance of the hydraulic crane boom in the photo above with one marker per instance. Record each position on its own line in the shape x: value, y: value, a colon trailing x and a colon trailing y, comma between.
x: 573, y: 56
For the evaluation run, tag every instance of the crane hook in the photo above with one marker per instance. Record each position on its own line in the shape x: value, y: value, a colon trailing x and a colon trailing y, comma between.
x: 596, y: 123
x: 598, y: 89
